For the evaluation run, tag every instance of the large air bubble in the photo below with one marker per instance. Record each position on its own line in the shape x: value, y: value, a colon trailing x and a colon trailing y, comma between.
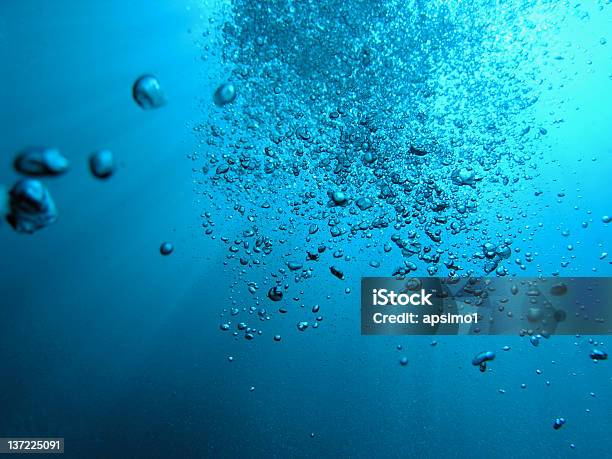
x: 31, y: 206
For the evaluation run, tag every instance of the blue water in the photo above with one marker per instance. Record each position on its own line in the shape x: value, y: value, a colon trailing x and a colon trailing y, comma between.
x: 118, y: 349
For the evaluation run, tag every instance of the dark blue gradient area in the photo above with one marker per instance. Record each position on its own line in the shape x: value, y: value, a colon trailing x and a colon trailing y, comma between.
x: 198, y: 294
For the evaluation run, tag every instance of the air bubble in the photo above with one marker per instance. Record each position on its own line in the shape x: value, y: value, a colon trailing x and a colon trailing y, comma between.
x: 147, y: 92
x: 225, y: 94
x: 102, y: 164
x: 166, y: 248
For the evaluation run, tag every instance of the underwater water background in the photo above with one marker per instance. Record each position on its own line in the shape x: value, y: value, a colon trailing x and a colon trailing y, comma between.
x: 118, y: 349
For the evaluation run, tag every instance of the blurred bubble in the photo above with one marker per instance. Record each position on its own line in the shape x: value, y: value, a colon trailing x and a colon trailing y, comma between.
x: 31, y: 206
x: 225, y: 94
x: 41, y: 161
x: 147, y: 92
x: 102, y: 164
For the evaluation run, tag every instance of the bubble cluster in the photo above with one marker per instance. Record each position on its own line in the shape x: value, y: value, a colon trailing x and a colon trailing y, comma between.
x: 406, y: 140
x: 359, y: 136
